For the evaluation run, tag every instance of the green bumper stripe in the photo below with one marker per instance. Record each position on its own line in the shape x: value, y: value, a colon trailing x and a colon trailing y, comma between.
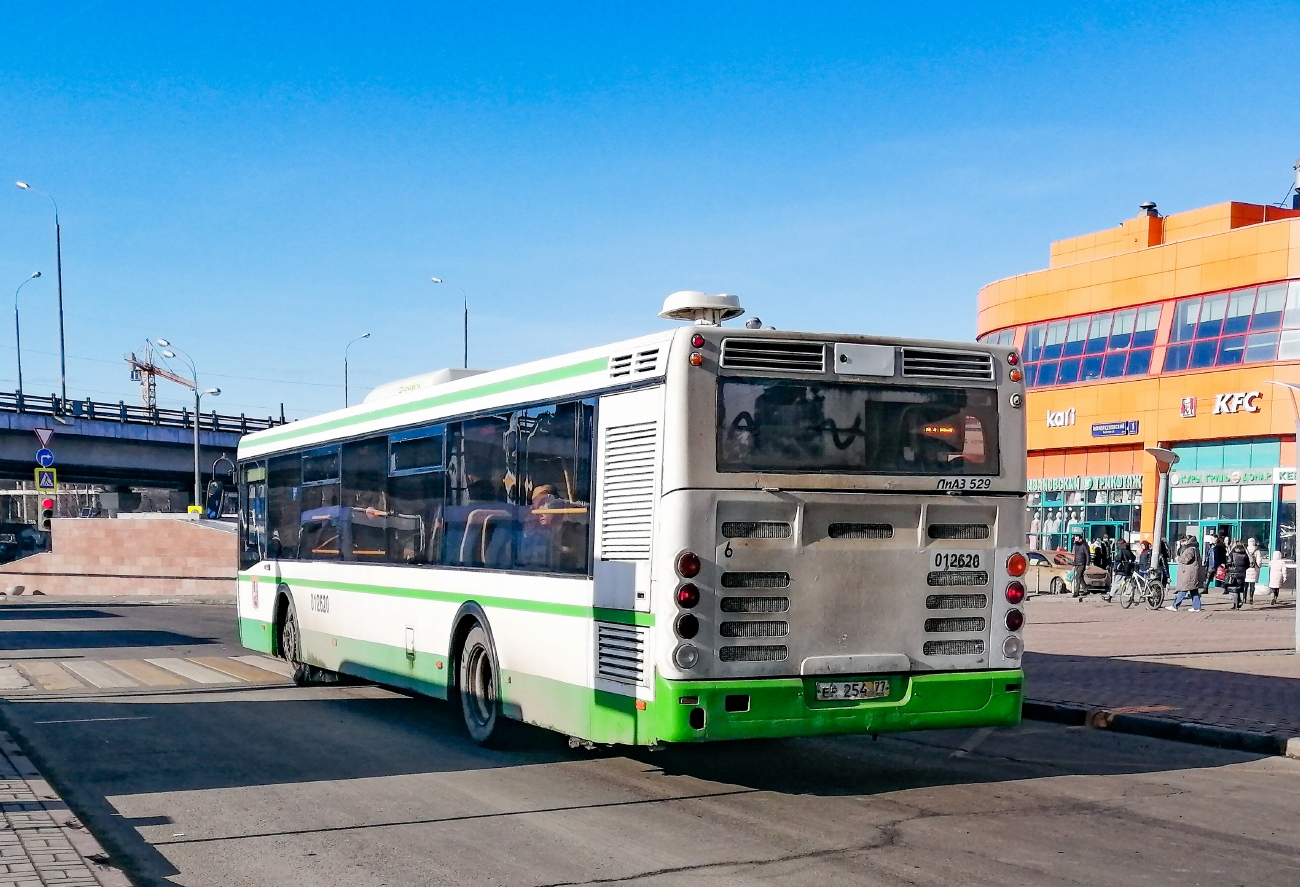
x: 302, y: 429
x: 256, y: 635
x: 603, y: 614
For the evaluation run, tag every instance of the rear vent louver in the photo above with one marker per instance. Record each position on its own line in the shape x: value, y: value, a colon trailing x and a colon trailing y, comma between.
x: 754, y: 629
x: 934, y: 364
x: 646, y: 361
x: 766, y: 354
x: 956, y: 602
x: 620, y: 653
x: 958, y: 531
x: 753, y: 654
x: 953, y: 648
x: 954, y: 579
x: 755, y: 604
x: 955, y: 623
x: 627, y: 484
x: 733, y: 529
x: 755, y: 580
x: 860, y: 531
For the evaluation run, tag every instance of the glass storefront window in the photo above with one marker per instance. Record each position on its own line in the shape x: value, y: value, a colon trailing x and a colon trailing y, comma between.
x: 1238, y: 327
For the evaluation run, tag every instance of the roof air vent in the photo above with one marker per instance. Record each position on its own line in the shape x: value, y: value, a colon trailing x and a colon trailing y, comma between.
x: 771, y: 354
x: 703, y: 309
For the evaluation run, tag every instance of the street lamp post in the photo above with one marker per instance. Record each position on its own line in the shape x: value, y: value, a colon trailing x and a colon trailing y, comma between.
x: 18, y: 335
x: 465, y: 300
x: 1165, y: 460
x: 345, y: 365
x: 173, y: 351
x: 58, y: 258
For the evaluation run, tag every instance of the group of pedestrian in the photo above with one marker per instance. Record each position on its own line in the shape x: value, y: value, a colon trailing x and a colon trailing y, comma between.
x: 1233, y: 565
x: 1117, y: 558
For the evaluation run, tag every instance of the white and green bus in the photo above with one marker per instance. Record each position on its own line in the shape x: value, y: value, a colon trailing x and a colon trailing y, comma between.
x: 706, y: 533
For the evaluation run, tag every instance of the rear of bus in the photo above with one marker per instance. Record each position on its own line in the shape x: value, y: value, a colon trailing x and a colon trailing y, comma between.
x: 837, y: 536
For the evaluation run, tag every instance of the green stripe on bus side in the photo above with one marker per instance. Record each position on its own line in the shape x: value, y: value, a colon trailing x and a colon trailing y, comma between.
x: 577, y: 611
x: 300, y: 429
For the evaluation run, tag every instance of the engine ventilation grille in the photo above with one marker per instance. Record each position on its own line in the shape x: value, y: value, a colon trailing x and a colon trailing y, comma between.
x: 767, y: 354
x: 756, y: 653
x: 955, y: 623
x: 734, y: 529
x: 627, y: 484
x: 755, y: 604
x: 953, y: 648
x: 755, y: 580
x: 949, y: 579
x: 620, y: 652
x: 860, y: 531
x: 754, y: 629
x: 969, y: 365
x: 959, y: 531
x: 956, y: 602
x: 646, y: 361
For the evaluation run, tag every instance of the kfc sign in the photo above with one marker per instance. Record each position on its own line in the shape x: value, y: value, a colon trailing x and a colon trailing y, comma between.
x: 1237, y: 402
x: 1060, y: 418
x: 1188, y: 408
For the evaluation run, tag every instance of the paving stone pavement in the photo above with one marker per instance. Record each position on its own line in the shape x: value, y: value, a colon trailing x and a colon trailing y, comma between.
x: 41, y: 842
x: 1220, y: 667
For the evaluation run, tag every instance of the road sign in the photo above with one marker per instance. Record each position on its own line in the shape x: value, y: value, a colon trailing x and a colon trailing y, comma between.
x: 47, y: 480
x: 44, y: 457
x: 44, y: 435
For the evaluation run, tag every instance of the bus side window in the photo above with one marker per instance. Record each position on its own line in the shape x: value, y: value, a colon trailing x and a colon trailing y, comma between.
x: 283, y: 505
x: 365, y: 500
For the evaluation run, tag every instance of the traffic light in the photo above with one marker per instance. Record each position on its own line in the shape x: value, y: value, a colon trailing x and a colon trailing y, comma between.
x: 47, y: 515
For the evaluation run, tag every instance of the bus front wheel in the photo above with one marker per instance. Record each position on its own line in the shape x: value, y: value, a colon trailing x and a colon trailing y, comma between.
x: 478, y: 680
x: 291, y: 645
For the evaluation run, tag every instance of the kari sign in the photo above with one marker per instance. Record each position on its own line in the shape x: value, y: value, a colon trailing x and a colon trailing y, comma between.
x: 1060, y: 418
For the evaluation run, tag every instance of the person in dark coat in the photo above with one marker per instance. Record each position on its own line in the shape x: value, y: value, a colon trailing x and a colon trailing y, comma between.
x: 1188, y: 582
x: 1237, y: 563
x: 1079, y: 549
x: 1122, y: 565
x: 1144, y: 558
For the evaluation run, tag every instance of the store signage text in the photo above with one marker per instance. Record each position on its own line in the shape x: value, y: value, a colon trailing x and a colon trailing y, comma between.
x: 1085, y: 482
x: 1219, y: 478
x: 1060, y: 418
x: 1115, y: 429
x: 1237, y: 402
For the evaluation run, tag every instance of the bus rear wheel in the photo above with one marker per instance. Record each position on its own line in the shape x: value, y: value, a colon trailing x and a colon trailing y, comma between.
x: 478, y: 680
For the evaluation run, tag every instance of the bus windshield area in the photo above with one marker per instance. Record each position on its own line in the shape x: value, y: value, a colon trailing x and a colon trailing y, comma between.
x: 792, y: 426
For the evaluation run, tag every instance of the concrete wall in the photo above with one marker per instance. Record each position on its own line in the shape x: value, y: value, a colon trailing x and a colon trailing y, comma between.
x: 98, y: 556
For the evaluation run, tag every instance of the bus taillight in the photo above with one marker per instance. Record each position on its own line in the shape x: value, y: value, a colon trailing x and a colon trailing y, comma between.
x: 687, y: 595
x: 1015, y: 592
x: 1017, y: 564
x: 1015, y: 620
x: 687, y: 626
x: 688, y: 565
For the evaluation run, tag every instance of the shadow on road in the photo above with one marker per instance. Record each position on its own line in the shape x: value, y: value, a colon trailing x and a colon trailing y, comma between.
x: 59, y: 611
x: 95, y: 639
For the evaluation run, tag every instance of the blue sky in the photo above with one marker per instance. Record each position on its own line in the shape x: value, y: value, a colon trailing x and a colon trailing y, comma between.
x: 262, y: 185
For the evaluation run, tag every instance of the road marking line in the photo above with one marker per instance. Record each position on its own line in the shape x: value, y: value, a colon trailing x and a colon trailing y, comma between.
x: 235, y: 669
x: 976, y: 740
x: 279, y: 666
x: 192, y: 672
x: 12, y: 679
x: 50, y: 677
x: 145, y: 673
x: 93, y: 720
x: 99, y: 674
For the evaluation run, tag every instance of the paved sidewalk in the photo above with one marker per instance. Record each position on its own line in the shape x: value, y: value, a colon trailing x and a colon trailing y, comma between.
x: 41, y: 842
x: 1220, y: 667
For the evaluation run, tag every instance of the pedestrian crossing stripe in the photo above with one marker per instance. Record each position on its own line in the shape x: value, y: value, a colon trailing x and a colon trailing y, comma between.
x: 131, y: 674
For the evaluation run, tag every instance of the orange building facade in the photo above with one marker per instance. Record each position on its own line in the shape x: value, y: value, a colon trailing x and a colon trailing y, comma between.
x: 1167, y: 331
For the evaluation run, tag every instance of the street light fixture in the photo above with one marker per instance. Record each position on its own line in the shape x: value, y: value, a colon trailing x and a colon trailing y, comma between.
x: 345, y: 365
x: 465, y: 298
x: 173, y: 352
x: 58, y: 257
x: 18, y: 335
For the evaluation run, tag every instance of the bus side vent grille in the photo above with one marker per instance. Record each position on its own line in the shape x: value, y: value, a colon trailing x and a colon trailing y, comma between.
x: 956, y: 602
x: 755, y: 580
x: 954, y: 623
x: 646, y: 361
x: 952, y: 648
x: 620, y: 652
x: 755, y: 653
x: 860, y: 531
x: 973, y: 365
x: 940, y: 579
x: 764, y: 529
x: 755, y: 604
x: 766, y: 354
x: 627, y: 485
x: 754, y: 629
x: 959, y: 531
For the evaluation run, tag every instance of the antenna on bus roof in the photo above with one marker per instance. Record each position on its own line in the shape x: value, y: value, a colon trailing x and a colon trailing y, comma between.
x: 701, y: 308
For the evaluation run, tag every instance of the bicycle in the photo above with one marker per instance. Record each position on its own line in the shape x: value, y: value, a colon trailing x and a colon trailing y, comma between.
x: 1141, y: 588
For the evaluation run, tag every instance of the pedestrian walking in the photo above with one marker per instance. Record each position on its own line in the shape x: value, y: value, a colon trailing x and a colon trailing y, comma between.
x: 1079, y: 549
x: 1122, y: 566
x: 1235, y: 567
x: 1276, y: 574
x: 1256, y: 555
x: 1144, y: 557
x: 1188, y: 582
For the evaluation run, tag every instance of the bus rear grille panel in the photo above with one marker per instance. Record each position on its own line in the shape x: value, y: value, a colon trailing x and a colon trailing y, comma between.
x: 953, y: 648
x: 935, y: 364
x: 956, y: 602
x: 959, y: 531
x: 952, y: 579
x: 627, y: 485
x: 735, y: 529
x: 755, y: 580
x: 955, y: 623
x: 768, y: 354
x: 755, y: 604
x: 754, y: 653
x: 860, y: 531
x: 769, y: 629
x: 620, y: 652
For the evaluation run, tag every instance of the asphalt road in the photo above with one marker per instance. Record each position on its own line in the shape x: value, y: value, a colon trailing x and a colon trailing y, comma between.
x: 266, y: 784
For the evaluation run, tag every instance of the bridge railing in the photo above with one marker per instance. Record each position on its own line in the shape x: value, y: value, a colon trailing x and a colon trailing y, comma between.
x: 14, y: 402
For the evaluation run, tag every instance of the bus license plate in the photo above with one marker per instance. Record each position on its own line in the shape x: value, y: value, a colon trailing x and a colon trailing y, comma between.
x: 829, y: 691
x: 957, y: 561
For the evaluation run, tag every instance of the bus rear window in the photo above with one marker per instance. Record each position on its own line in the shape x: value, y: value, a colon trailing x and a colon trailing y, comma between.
x: 790, y: 426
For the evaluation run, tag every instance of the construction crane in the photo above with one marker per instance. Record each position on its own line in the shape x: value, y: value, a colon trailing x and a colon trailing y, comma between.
x: 145, y: 371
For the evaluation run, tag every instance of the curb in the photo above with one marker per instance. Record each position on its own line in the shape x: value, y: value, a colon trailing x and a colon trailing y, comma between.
x: 1163, y: 728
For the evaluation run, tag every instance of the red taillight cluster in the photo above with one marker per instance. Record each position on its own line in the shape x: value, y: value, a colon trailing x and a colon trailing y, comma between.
x: 1017, y: 564
x: 697, y: 341
x: 687, y: 625
x: 1015, y: 620
x: 688, y: 565
x: 688, y: 595
x: 1015, y: 592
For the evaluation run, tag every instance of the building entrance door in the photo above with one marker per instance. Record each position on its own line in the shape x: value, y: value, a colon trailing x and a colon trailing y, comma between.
x: 1219, y: 528
x: 1113, y: 530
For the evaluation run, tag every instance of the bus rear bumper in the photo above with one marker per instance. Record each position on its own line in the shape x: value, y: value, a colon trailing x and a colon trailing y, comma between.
x: 696, y: 711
